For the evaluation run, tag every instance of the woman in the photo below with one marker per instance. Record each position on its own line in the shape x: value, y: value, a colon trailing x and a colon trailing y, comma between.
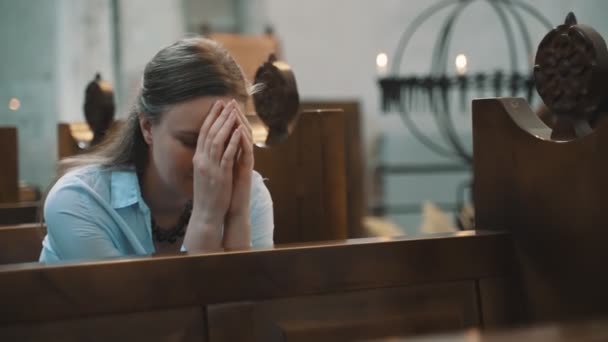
x: 179, y: 174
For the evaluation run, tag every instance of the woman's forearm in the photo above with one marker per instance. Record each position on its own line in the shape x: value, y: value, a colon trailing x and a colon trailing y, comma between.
x: 203, y: 235
x: 237, y: 232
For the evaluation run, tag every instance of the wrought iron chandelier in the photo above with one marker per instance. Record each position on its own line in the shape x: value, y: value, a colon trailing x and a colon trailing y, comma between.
x: 409, y: 93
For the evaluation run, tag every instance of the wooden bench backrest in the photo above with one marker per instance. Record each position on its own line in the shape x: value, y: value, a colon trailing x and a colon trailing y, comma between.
x: 21, y: 243
x: 326, y: 290
x: 19, y: 213
x: 553, y: 198
x: 9, y: 172
x: 306, y: 177
x: 356, y: 201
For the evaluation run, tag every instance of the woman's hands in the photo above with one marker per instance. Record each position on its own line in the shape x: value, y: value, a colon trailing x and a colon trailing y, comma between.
x: 222, y: 168
x: 237, y: 230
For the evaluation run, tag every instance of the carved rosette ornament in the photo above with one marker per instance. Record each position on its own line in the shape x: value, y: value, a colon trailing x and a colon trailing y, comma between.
x: 571, y: 69
x: 277, y: 102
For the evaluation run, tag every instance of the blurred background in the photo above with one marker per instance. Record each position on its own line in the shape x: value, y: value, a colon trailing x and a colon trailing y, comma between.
x: 338, y: 49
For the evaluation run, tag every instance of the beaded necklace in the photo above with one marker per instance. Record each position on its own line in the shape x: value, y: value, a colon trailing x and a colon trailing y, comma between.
x: 179, y: 230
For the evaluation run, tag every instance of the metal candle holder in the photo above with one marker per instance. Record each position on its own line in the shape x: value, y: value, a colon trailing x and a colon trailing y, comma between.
x: 432, y: 92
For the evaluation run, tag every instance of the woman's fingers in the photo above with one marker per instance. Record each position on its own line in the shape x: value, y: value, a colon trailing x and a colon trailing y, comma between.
x: 242, y: 118
x: 246, y: 156
x: 229, y: 155
x: 217, y: 125
x: 217, y: 128
x: 218, y: 144
x: 214, y: 112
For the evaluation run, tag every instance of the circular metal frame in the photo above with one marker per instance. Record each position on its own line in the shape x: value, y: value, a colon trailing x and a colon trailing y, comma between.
x: 437, y: 76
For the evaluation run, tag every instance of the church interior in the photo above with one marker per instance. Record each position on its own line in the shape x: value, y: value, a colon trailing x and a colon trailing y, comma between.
x: 433, y: 171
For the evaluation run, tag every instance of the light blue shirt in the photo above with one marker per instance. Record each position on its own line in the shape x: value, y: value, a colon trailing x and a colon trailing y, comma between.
x: 95, y: 213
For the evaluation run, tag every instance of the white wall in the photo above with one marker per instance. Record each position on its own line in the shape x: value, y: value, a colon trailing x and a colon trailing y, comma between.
x: 220, y: 15
x: 28, y: 37
x: 85, y: 47
x: 146, y: 27
x: 53, y: 48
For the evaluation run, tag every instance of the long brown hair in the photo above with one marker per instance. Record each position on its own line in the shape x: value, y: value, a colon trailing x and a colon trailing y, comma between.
x: 187, y: 69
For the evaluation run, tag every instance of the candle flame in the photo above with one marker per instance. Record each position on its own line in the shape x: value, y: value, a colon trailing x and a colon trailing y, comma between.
x: 461, y: 64
x: 382, y: 60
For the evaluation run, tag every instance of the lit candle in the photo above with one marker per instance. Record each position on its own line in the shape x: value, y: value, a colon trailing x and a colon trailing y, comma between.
x: 461, y: 64
x: 381, y: 63
x: 14, y: 104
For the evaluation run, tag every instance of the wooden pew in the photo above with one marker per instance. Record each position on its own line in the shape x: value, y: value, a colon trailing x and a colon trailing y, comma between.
x: 19, y: 212
x: 21, y: 243
x: 307, y: 179
x: 356, y: 204
x: 551, y: 197
x: 68, y: 135
x: 582, y: 331
x: 75, y: 137
x: 9, y: 172
x: 372, y: 287
x: 547, y: 185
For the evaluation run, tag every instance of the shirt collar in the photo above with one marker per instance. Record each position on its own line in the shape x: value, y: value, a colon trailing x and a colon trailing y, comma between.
x: 124, y: 188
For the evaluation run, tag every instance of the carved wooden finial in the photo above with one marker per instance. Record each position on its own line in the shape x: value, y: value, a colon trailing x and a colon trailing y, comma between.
x: 277, y: 103
x: 272, y: 58
x: 570, y: 19
x: 570, y: 73
x: 99, y: 107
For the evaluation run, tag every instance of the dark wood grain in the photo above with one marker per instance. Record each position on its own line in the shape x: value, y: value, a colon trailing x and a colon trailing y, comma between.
x: 581, y: 331
x: 9, y: 172
x: 552, y: 197
x: 355, y: 161
x: 31, y: 292
x: 500, y: 300
x: 19, y: 212
x: 21, y: 243
x: 183, y: 325
x: 66, y: 144
x: 349, y: 316
x: 306, y: 179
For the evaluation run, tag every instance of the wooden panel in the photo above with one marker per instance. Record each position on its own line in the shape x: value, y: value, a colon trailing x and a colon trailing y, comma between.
x: 33, y: 292
x: 306, y: 178
x: 552, y: 197
x: 500, y: 300
x: 21, y: 243
x: 69, y: 135
x: 181, y: 325
x: 9, y: 172
x: 581, y: 331
x: 355, y: 164
x: 348, y: 316
x: 28, y: 193
x: 66, y: 144
x: 334, y: 195
x: 18, y: 213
